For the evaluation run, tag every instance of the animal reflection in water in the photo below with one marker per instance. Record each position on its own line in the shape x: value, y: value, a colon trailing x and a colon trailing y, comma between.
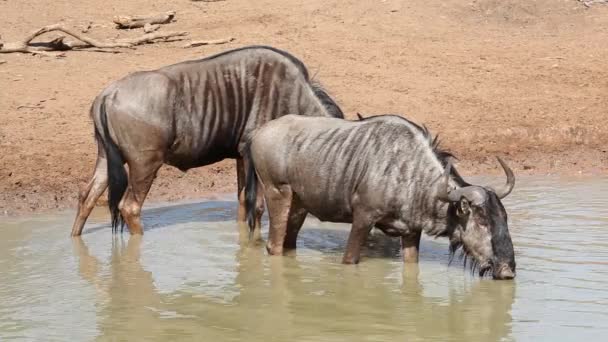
x: 293, y: 297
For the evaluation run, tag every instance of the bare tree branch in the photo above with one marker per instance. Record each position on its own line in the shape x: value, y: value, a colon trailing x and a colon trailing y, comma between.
x: 149, y: 37
x: 83, y: 41
x: 208, y: 42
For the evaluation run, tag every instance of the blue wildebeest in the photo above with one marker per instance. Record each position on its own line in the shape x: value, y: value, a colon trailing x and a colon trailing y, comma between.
x: 188, y: 115
x: 382, y: 171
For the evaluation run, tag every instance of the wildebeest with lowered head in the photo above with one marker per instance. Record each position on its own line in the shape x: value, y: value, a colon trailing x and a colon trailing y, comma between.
x: 382, y: 171
x: 188, y: 115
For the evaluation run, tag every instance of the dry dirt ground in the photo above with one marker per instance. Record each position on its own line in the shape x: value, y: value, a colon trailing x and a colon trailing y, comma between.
x: 527, y: 80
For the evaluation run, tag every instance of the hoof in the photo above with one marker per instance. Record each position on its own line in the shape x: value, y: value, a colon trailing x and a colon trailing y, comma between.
x: 348, y: 260
x: 274, y: 250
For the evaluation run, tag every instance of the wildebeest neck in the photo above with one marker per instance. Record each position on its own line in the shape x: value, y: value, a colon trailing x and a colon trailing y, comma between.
x: 431, y: 214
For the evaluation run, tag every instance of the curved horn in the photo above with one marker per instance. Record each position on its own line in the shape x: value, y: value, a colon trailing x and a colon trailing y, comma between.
x: 504, y: 190
x: 444, y: 194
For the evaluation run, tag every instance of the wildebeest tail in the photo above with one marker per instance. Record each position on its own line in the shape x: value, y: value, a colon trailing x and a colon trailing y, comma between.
x: 117, y: 175
x: 330, y: 105
x: 251, y: 186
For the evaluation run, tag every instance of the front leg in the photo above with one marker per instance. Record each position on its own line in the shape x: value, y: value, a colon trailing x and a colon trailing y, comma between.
x: 362, y: 225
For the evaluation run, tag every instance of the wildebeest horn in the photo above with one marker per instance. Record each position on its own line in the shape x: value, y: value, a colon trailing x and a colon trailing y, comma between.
x: 471, y: 192
x: 504, y: 190
x: 444, y: 193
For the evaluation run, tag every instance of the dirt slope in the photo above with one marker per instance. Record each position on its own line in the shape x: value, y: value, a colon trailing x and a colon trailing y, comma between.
x: 524, y: 79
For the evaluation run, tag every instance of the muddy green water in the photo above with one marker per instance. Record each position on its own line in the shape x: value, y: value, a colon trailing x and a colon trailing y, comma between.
x: 189, y: 279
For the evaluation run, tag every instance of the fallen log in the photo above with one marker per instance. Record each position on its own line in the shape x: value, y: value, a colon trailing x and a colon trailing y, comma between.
x: 136, y: 21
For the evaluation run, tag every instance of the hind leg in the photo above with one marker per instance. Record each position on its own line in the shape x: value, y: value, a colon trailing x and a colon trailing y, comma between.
x: 279, y: 205
x: 256, y: 235
x: 297, y: 215
x: 241, y: 217
x: 141, y: 175
x: 89, y: 195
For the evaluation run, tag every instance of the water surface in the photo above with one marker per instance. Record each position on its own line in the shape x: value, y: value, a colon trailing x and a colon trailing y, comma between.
x: 189, y: 278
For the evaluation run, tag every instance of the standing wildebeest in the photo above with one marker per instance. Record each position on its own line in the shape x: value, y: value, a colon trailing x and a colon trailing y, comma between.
x: 188, y: 115
x: 382, y: 171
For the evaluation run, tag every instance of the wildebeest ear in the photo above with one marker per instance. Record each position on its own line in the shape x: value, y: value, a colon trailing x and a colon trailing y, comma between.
x: 463, y: 207
x: 360, y: 116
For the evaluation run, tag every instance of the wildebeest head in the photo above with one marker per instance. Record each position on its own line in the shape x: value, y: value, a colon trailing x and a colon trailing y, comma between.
x: 479, y: 223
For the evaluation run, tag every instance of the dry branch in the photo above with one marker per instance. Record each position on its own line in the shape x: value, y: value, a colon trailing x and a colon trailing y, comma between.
x: 207, y: 0
x: 208, y: 42
x: 135, y: 21
x: 60, y: 44
x: 149, y: 37
x: 148, y: 28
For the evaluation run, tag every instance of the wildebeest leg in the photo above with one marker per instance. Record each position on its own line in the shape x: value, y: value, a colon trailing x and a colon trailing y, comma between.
x: 279, y: 203
x: 297, y: 215
x: 89, y: 195
x: 256, y: 235
x: 361, y: 227
x: 364, y: 240
x: 241, y: 217
x: 141, y: 175
x: 410, y: 246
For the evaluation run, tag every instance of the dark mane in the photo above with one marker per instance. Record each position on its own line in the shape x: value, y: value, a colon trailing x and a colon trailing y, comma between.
x: 442, y: 155
x: 330, y: 105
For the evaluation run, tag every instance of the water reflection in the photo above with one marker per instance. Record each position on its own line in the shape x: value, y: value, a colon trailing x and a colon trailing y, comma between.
x: 305, y: 297
x: 127, y: 301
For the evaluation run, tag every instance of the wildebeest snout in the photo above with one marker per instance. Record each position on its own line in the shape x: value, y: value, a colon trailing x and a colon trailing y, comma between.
x: 503, y: 272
